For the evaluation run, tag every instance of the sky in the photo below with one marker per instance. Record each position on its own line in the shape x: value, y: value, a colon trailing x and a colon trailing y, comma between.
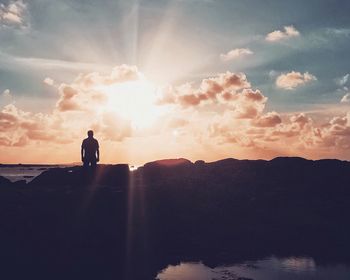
x: 155, y: 79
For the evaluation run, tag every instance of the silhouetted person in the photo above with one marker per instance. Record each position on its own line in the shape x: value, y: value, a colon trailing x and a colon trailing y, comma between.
x: 90, y: 152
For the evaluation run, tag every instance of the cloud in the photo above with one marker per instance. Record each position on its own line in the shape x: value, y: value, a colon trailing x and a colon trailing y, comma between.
x: 235, y: 53
x: 278, y: 35
x: 300, y: 119
x: 305, y: 134
x: 239, y: 120
x: 177, y: 122
x: 221, y: 88
x: 112, y: 127
x: 84, y: 93
x: 345, y: 98
x: 270, y: 119
x: 221, y: 115
x: 336, y: 133
x: 338, y: 31
x: 342, y: 81
x: 273, y: 74
x: 68, y: 99
x: 48, y: 81
x: 49, y: 64
x: 119, y: 74
x: 7, y: 93
x: 13, y: 14
x: 249, y: 104
x: 292, y: 80
x: 80, y: 106
x: 20, y: 127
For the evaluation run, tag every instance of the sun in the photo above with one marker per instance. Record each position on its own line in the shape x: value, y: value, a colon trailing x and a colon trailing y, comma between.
x: 134, y: 101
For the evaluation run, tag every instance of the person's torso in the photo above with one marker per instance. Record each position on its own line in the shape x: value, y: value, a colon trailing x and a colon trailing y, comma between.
x: 90, y: 146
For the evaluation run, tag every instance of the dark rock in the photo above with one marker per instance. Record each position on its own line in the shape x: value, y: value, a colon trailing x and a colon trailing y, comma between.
x: 168, y: 163
x: 76, y: 176
x: 114, y: 224
x: 19, y: 183
x: 199, y: 162
x: 4, y: 182
x: 54, y: 177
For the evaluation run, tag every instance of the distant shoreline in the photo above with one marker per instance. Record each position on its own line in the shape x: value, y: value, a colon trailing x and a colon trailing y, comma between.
x: 33, y: 165
x: 160, y: 160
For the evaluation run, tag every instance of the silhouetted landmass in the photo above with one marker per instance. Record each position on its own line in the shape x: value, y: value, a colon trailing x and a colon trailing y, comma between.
x: 116, y: 224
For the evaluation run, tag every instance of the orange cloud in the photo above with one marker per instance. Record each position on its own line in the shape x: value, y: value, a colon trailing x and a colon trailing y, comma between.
x: 217, y: 117
x: 77, y: 109
x: 68, y: 100
x: 20, y: 127
x: 84, y: 94
x: 232, y: 113
x: 270, y: 119
x: 112, y: 127
x: 210, y: 90
x: 177, y: 122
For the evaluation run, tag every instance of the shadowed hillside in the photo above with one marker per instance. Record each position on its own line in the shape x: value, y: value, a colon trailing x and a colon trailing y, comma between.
x: 119, y: 224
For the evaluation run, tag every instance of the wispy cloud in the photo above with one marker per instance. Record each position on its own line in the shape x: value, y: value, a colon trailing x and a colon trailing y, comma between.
x: 58, y: 64
x: 235, y: 53
x: 51, y: 63
x: 345, y: 98
x: 6, y: 93
x: 338, y: 31
x: 342, y: 81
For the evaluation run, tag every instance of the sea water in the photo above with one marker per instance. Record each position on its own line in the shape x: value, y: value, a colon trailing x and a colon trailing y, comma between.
x: 273, y: 268
x: 23, y: 172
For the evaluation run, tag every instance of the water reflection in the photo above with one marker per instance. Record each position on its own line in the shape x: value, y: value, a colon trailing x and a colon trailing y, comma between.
x: 268, y: 269
x: 20, y: 173
x: 297, y: 264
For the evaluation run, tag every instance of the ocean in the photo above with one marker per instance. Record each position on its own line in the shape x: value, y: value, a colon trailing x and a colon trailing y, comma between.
x: 24, y: 172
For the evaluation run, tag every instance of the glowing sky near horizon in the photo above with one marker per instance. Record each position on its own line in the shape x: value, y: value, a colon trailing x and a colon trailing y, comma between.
x: 200, y: 79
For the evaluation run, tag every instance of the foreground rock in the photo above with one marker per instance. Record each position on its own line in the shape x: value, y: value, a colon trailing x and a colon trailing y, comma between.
x: 103, y: 175
x: 112, y: 224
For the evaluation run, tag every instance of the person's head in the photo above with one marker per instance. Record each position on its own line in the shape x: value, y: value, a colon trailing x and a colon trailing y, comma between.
x: 90, y: 134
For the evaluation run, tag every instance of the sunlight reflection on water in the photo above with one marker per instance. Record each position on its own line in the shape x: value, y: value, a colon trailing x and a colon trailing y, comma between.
x: 133, y: 167
x: 268, y: 269
x: 21, y: 173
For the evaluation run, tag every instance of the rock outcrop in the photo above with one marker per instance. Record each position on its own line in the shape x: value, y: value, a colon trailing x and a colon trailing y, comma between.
x: 76, y: 224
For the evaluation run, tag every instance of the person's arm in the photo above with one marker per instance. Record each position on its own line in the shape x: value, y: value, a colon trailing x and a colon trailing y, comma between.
x: 82, y: 152
x: 98, y: 152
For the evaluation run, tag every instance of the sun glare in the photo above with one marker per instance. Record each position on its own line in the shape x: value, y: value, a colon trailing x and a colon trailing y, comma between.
x: 134, y: 101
